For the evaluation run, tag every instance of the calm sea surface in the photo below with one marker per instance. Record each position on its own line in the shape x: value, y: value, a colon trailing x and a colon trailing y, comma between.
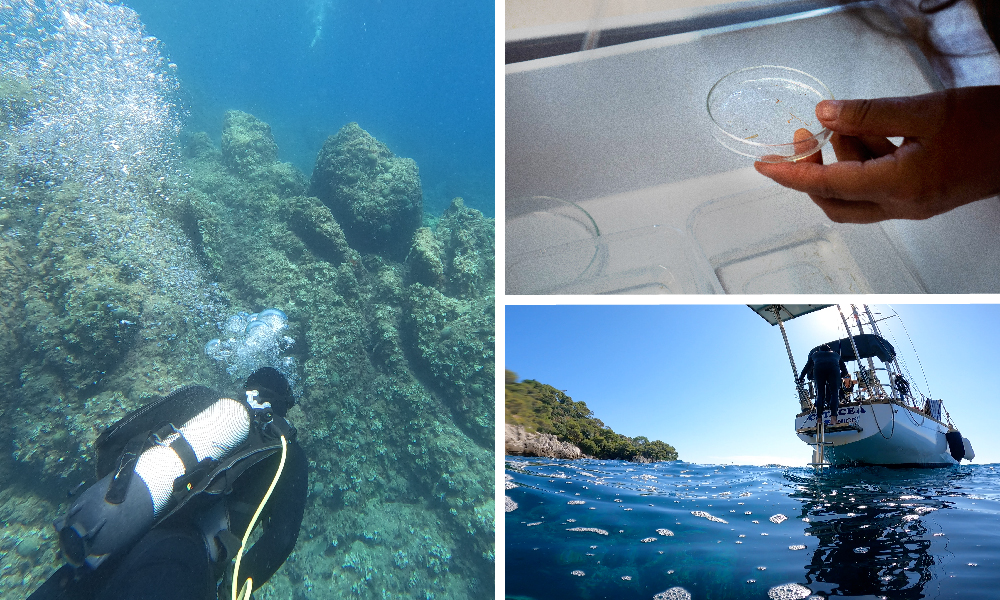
x: 611, y: 529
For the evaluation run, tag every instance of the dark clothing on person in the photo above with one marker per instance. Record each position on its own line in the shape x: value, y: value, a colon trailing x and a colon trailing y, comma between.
x: 827, y: 369
x: 808, y: 371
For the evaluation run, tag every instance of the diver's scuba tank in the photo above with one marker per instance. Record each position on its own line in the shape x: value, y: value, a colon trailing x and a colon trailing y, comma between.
x: 114, y: 513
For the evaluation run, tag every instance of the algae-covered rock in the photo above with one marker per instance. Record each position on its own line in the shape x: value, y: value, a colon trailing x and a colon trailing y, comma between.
x: 425, y: 259
x: 199, y: 146
x: 458, y: 256
x: 313, y: 222
x: 287, y: 180
x: 374, y: 194
x: 247, y: 143
x: 455, y: 342
x: 468, y: 239
x: 17, y: 99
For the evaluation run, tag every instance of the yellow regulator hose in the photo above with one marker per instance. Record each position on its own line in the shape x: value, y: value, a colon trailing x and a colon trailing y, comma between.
x: 244, y: 594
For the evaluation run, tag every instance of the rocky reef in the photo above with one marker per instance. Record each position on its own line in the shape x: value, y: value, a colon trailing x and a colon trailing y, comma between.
x: 374, y: 194
x: 392, y: 316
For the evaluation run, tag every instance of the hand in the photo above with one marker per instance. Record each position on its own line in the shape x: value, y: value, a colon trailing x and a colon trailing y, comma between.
x: 950, y: 156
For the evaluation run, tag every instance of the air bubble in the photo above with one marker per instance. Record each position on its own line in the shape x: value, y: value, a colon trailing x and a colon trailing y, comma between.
x: 255, y: 342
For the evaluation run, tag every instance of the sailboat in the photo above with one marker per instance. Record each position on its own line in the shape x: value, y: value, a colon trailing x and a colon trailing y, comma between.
x: 882, y: 419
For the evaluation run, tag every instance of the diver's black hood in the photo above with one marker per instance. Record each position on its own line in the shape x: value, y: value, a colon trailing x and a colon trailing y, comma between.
x: 272, y: 387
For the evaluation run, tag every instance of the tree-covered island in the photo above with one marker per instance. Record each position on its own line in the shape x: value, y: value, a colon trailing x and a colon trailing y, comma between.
x: 541, y: 408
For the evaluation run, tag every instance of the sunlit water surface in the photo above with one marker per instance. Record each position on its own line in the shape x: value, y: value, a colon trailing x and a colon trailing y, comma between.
x: 612, y: 529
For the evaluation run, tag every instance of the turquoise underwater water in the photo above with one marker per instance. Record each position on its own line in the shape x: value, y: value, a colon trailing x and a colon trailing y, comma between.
x: 416, y: 75
x: 680, y: 530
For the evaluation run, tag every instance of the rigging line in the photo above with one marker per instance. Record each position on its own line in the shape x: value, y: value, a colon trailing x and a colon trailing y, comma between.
x: 926, y: 383
x: 867, y: 387
x: 875, y: 416
x: 903, y: 366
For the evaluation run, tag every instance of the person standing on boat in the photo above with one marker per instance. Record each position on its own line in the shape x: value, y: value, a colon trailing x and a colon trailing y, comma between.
x: 827, y: 369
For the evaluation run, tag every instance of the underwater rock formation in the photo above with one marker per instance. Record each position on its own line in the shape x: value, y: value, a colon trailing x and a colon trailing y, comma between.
x: 374, y: 195
x: 247, y: 143
x: 249, y: 151
x: 314, y: 224
x: 462, y: 233
x: 452, y: 340
x: 424, y: 259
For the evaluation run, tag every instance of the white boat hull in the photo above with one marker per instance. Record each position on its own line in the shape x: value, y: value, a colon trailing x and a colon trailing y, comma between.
x: 891, y: 435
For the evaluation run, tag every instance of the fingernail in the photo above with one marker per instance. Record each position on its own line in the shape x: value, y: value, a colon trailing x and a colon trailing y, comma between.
x: 828, y: 110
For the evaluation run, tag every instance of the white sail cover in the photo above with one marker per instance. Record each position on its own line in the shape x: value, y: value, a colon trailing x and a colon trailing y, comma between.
x: 787, y: 312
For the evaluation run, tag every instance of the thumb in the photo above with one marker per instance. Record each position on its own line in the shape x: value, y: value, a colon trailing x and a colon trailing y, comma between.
x: 887, y: 117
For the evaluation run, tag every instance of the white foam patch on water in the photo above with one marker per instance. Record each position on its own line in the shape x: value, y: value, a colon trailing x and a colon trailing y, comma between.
x: 778, y: 518
x: 577, y: 572
x: 674, y: 593
x: 648, y: 540
x: 576, y: 502
x: 789, y: 591
x: 508, y: 504
x: 703, y: 514
x: 797, y: 547
x: 665, y: 532
x: 590, y: 529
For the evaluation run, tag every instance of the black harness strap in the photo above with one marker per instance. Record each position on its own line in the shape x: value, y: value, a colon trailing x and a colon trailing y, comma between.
x: 185, y: 452
x: 123, y: 474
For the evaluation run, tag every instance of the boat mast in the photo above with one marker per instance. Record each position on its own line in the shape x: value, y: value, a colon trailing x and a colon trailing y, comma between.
x: 803, y: 397
x: 888, y: 366
x: 854, y: 346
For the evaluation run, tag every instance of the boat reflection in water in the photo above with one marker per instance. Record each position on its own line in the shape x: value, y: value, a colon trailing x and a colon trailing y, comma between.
x: 872, y: 528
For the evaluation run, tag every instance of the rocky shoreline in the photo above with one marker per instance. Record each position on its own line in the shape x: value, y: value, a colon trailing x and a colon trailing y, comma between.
x: 519, y: 442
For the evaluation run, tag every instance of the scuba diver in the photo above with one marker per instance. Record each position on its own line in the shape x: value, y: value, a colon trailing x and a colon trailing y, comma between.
x: 181, y: 483
x: 822, y: 367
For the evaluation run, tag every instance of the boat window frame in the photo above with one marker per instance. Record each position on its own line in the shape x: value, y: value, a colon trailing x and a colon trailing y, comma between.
x: 542, y: 42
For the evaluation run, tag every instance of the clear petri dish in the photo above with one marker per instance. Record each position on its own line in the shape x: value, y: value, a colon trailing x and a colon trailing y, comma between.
x: 757, y: 110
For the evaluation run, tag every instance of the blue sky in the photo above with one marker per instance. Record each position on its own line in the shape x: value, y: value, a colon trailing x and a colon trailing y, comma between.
x: 714, y: 380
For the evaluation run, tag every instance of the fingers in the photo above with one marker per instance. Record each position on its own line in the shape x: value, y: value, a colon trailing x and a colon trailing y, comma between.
x: 849, y: 180
x: 849, y: 147
x: 805, y: 143
x: 843, y: 211
x: 878, y: 146
x: 885, y: 117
